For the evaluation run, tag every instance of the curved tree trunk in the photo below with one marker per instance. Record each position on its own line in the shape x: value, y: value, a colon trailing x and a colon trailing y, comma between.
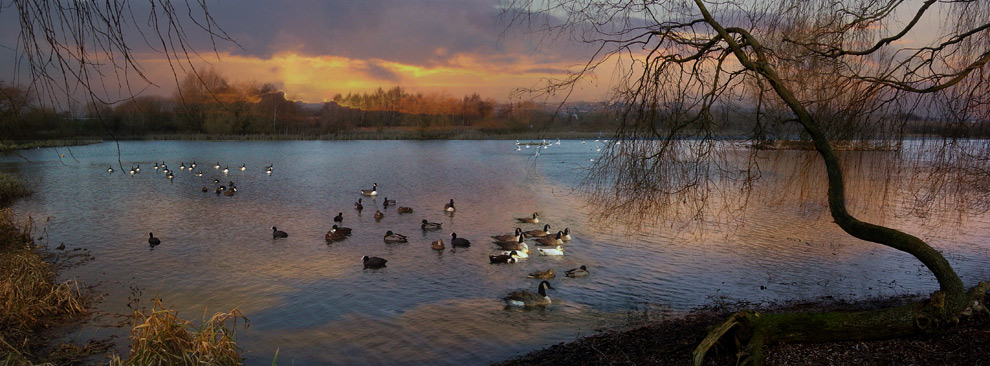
x: 755, y: 329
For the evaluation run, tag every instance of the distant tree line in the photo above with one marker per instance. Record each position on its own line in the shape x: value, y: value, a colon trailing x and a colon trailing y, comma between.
x: 208, y: 103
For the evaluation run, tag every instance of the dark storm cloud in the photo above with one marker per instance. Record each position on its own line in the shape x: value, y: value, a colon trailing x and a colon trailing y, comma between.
x: 378, y: 72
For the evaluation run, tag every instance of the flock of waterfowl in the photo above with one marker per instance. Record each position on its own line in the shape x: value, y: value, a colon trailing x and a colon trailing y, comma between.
x: 511, y: 248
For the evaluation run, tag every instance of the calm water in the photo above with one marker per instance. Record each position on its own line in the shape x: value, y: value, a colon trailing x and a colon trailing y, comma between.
x: 313, y: 303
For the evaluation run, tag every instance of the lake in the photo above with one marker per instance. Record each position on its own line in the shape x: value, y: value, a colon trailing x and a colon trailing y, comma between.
x: 313, y: 302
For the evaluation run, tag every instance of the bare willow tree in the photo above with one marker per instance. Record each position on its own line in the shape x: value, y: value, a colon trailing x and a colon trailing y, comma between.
x: 833, y: 74
x: 69, y: 53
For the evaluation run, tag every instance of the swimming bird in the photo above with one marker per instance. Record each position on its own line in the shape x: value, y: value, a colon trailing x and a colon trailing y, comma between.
x: 110, y: 169
x: 379, y: 215
x: 519, y: 244
x: 529, y: 220
x: 225, y: 170
x: 430, y: 225
x: 371, y: 192
x: 566, y: 235
x: 339, y: 217
x: 132, y: 171
x: 548, y: 274
x: 438, y: 245
x: 551, y: 240
x: 577, y: 272
x: 391, y: 237
x: 513, y: 237
x: 276, y: 233
x: 182, y: 166
x: 216, y: 181
x: 540, y: 233
x: 525, y: 298
x: 243, y: 167
x: 403, y: 209
x: 61, y: 246
x: 450, y: 206
x: 217, y: 166
x: 169, y: 176
x: 230, y: 192
x: 138, y: 169
x: 388, y: 202
x: 152, y: 240
x: 156, y: 166
x: 358, y: 206
x: 205, y: 190
x: 518, y: 255
x: 373, y: 262
x: 503, y: 258
x: 199, y: 173
x: 459, y: 242
x: 551, y: 251
x: 193, y: 165
x: 337, y: 233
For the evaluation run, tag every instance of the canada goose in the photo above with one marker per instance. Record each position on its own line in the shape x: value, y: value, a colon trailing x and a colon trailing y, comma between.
x: 548, y: 274
x: 430, y: 225
x: 337, y: 233
x: 156, y: 166
x: 152, y: 240
x: 204, y: 189
x: 459, y: 242
x: 503, y: 258
x: 577, y: 272
x: 169, y: 176
x: 403, y: 209
x: 225, y: 170
x: 243, y: 167
x: 269, y: 172
x: 216, y: 181
x: 529, y: 220
x: 110, y: 169
x: 138, y: 169
x: 193, y: 165
x: 514, y: 245
x: 540, y: 233
x: 438, y: 245
x: 551, y: 251
x: 182, y: 166
x: 391, y: 237
x: 551, y: 240
x: 450, y: 206
x: 525, y: 298
x: 358, y: 206
x: 217, y: 166
x: 513, y: 237
x: 371, y: 192
x: 339, y: 217
x: 379, y: 215
x: 373, y: 262
x: 132, y: 171
x: 567, y: 235
x: 276, y: 233
x: 199, y: 173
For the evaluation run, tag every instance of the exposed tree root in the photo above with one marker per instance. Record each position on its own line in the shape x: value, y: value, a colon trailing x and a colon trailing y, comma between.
x: 752, y: 330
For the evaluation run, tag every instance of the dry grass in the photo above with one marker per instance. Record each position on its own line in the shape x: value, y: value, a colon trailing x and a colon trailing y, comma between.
x: 30, y: 299
x: 161, y: 337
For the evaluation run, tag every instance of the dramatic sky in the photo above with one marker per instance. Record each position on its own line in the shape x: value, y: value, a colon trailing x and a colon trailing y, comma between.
x: 315, y: 49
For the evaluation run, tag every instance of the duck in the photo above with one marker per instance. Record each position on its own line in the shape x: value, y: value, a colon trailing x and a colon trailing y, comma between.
x: 450, y: 206
x: 518, y: 255
x: 527, y: 299
x: 459, y: 242
x: 577, y: 272
x: 243, y: 167
x: 548, y: 274
x: 514, y: 245
x: 152, y: 240
x: 513, y: 237
x: 503, y: 258
x: 391, y: 237
x: 230, y: 192
x: 337, y: 233
x: 371, y: 192
x: 110, y: 169
x: 551, y: 240
x: 358, y: 205
x: 529, y: 220
x: 540, y: 233
x: 204, y: 189
x: 276, y: 233
x: 558, y: 250
x: 403, y: 209
x: 438, y: 245
x: 216, y: 181
x: 373, y: 262
x: 430, y: 225
x: 379, y: 215
x: 339, y: 217
x: 566, y: 235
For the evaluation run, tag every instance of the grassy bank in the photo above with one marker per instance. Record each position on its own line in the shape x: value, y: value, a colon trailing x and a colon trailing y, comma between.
x: 11, y: 188
x: 33, y: 144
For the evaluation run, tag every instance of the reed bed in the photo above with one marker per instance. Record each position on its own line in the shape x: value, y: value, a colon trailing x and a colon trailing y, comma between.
x: 11, y: 188
x: 161, y: 337
x: 30, y: 297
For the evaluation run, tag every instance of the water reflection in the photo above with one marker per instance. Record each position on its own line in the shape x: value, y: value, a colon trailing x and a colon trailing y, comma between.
x: 316, y: 303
